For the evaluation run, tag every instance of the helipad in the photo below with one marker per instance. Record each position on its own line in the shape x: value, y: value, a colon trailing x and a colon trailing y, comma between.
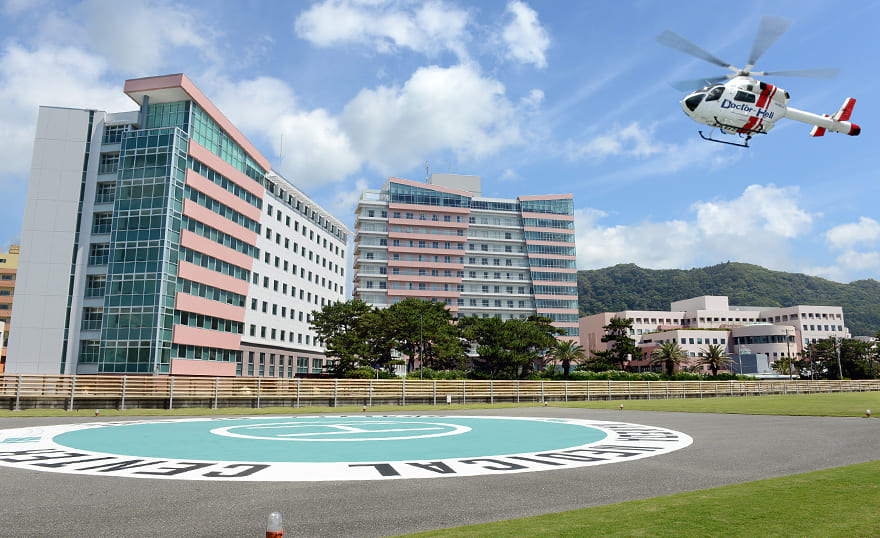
x: 316, y: 448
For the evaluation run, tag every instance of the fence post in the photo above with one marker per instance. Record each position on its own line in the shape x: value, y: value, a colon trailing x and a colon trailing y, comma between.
x: 609, y: 389
x: 517, y: 391
x: 122, y: 401
x: 588, y: 390
x: 716, y: 389
x: 435, y: 392
x: 298, y: 379
x: 216, y: 390
x: 667, y: 390
x: 335, y: 390
x: 17, y: 393
x: 171, y: 394
x: 731, y: 387
x: 371, y: 392
x: 404, y: 391
x: 566, y: 390
x: 700, y: 385
x: 259, y: 390
x: 72, y: 391
x: 543, y: 400
x: 491, y: 393
x: 464, y: 391
x: 629, y: 389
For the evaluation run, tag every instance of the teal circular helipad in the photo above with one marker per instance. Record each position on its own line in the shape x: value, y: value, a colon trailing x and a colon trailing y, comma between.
x: 311, y: 448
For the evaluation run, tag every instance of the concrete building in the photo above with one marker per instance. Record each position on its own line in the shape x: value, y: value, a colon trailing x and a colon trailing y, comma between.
x: 442, y: 241
x: 693, y: 323
x: 161, y: 241
x: 8, y: 270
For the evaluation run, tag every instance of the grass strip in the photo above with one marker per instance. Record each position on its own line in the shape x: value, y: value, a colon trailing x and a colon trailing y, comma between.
x: 841, y: 501
x: 841, y: 404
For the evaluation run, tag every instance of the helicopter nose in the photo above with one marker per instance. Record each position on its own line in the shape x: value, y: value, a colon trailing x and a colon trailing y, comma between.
x: 690, y: 103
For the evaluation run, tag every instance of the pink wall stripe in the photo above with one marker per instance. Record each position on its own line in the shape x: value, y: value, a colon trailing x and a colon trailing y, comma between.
x: 206, y: 216
x: 207, y: 307
x: 209, y: 188
x: 202, y: 154
x: 195, y: 273
x: 198, y: 243
x: 194, y: 336
x: 206, y: 368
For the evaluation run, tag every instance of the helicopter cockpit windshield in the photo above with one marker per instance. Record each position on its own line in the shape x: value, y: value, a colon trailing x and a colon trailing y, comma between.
x: 693, y: 100
x: 715, y: 93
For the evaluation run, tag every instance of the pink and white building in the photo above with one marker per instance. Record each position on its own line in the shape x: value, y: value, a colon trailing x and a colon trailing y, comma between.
x: 442, y: 241
x: 160, y: 240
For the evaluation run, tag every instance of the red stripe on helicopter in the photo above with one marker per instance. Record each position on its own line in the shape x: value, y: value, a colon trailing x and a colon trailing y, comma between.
x: 752, y: 125
x: 766, y: 95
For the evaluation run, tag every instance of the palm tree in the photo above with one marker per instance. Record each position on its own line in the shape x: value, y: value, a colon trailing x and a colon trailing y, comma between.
x: 566, y: 352
x: 669, y: 354
x: 715, y: 358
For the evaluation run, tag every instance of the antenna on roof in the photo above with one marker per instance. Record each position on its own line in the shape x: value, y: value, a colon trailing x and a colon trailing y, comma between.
x: 281, y: 151
x: 426, y: 171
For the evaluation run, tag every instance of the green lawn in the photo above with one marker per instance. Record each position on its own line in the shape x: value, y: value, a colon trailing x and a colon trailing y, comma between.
x: 835, y: 502
x: 843, y: 404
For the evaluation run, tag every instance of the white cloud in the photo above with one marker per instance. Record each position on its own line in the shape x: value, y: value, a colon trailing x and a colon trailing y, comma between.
x: 525, y: 38
x: 385, y: 27
x: 136, y: 37
x: 867, y: 230
x: 50, y: 76
x: 345, y: 200
x: 762, y: 209
x: 634, y: 140
x: 387, y: 128
x: 437, y: 108
x: 747, y: 229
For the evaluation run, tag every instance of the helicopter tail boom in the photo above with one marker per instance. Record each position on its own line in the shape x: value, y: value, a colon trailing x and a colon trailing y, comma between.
x: 838, y: 123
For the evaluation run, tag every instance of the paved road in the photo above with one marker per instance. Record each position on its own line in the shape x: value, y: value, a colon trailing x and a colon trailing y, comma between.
x: 727, y: 449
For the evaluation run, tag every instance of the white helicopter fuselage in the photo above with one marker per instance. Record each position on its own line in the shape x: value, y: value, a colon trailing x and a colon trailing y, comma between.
x: 746, y: 106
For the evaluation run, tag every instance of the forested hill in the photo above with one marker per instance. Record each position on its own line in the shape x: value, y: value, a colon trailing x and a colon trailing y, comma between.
x: 629, y: 287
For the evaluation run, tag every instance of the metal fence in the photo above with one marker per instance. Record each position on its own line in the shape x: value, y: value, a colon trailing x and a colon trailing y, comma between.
x: 71, y: 392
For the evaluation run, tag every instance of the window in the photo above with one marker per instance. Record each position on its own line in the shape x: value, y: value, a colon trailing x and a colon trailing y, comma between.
x: 745, y: 97
x: 99, y: 254
x: 109, y: 163
x: 105, y: 192
x: 95, y: 285
x: 102, y: 223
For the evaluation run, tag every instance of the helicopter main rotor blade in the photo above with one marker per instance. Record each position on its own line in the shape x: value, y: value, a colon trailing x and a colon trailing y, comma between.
x: 827, y: 73
x: 770, y: 30
x: 693, y: 84
x: 672, y: 40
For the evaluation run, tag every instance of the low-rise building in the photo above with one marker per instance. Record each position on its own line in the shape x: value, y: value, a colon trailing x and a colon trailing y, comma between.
x: 8, y: 270
x: 697, y: 322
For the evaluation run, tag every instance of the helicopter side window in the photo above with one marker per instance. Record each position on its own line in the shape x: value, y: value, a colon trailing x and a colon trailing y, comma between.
x: 745, y: 97
x: 715, y: 93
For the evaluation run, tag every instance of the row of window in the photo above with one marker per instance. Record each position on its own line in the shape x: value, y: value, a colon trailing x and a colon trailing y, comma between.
x: 333, y: 248
x: 310, y: 213
x: 272, y: 333
x: 306, y: 253
x: 279, y: 365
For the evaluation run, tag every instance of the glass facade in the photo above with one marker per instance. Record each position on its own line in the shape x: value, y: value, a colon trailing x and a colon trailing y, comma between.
x: 144, y: 247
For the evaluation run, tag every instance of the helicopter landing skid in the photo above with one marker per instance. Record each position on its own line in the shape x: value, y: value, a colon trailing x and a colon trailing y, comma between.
x: 731, y: 129
x: 728, y: 142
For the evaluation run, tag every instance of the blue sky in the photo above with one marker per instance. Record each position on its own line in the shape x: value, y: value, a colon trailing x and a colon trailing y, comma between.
x: 535, y: 97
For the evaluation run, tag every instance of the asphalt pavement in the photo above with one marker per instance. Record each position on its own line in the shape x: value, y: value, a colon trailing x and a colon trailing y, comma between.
x: 727, y: 449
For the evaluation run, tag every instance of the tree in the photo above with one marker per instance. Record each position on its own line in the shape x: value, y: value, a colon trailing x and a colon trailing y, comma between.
x: 669, y: 354
x: 424, y: 329
x: 622, y: 348
x: 340, y: 326
x: 508, y: 349
x: 715, y: 358
x: 567, y: 352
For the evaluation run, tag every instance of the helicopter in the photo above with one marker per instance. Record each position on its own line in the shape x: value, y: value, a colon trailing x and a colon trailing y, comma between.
x: 738, y: 104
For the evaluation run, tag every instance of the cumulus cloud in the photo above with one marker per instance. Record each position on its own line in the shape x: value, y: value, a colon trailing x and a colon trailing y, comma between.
x: 386, y: 128
x: 525, y: 38
x: 747, y: 228
x: 866, y: 230
x: 136, y: 36
x: 385, y: 27
x: 50, y: 76
x: 437, y: 108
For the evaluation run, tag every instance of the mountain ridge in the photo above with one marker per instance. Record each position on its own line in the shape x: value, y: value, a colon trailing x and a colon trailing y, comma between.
x: 630, y: 287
